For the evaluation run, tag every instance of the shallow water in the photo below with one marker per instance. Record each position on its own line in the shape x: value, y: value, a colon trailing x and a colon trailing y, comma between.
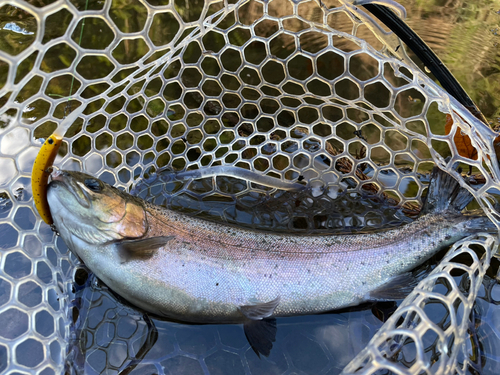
x: 465, y: 34
x: 308, y: 344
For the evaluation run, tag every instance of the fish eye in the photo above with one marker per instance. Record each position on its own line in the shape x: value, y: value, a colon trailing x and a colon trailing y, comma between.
x: 93, y: 184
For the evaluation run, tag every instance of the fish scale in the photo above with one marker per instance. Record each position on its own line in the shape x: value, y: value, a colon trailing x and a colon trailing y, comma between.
x: 309, y: 274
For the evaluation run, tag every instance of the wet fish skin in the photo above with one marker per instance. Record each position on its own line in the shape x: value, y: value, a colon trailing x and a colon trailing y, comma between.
x: 204, y: 271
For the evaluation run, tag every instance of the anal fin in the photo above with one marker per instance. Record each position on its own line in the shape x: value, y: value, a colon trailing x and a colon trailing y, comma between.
x: 140, y: 249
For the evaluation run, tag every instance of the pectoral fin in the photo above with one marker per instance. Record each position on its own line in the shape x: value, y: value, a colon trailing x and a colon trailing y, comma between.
x: 260, y: 311
x: 260, y: 335
x: 140, y: 249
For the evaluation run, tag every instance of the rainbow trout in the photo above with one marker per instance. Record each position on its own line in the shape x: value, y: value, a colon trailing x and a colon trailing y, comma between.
x: 193, y: 270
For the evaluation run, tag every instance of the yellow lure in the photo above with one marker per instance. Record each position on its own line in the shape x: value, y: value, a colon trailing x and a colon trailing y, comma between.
x: 40, y: 175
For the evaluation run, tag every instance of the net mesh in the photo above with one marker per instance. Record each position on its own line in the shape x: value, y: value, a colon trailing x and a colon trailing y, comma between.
x: 430, y: 330
x: 309, y: 93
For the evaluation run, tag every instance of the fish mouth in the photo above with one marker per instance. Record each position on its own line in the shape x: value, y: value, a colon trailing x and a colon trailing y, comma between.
x: 64, y: 180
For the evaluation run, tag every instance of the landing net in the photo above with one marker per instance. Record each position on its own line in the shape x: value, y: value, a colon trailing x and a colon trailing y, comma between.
x: 314, y: 96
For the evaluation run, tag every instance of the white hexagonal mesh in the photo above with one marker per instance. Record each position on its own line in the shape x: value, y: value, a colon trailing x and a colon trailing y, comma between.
x: 430, y: 330
x: 303, y: 92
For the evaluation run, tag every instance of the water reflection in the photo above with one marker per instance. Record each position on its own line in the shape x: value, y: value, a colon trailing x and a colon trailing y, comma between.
x: 111, y: 336
x: 462, y: 33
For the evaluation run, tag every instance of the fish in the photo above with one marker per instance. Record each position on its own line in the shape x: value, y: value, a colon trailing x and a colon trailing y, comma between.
x: 192, y: 270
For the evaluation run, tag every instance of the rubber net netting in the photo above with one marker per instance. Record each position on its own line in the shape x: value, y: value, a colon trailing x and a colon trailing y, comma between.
x: 290, y: 116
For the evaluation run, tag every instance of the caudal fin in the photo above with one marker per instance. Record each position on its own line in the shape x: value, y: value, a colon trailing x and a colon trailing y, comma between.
x: 445, y: 193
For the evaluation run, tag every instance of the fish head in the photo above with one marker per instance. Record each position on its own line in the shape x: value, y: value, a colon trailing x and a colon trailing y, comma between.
x: 85, y: 207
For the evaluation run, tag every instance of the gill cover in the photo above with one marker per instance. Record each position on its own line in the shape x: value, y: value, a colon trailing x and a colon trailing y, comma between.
x: 93, y: 210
